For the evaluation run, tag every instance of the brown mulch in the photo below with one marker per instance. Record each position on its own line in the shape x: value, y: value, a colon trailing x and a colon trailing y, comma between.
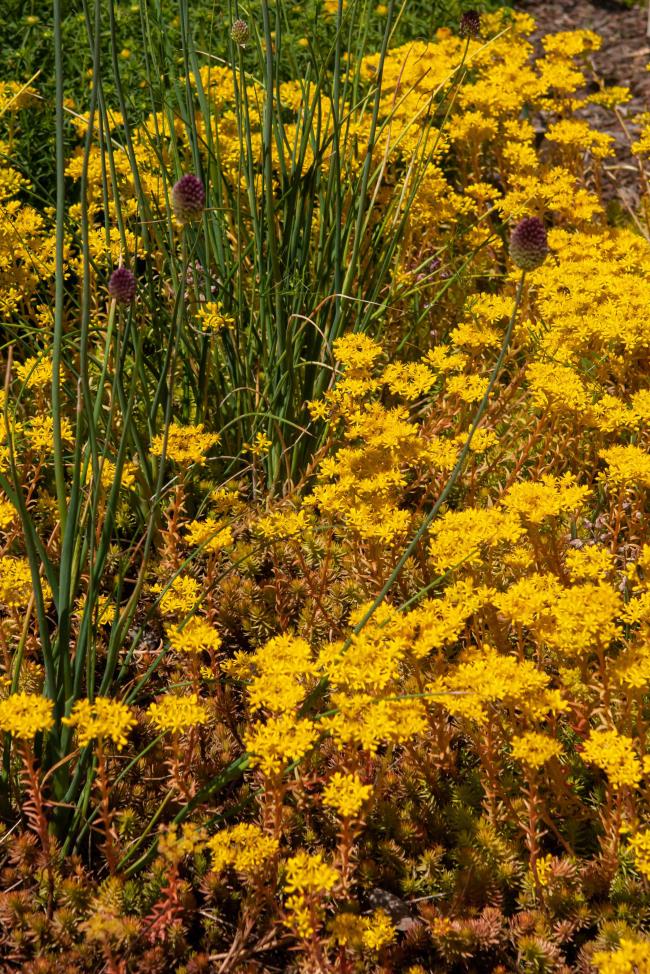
x: 622, y: 60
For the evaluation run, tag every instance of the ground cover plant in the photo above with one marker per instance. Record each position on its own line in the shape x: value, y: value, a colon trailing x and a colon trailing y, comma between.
x: 324, y: 588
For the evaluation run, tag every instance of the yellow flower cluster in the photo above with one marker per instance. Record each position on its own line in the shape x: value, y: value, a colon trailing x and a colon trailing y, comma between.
x: 308, y: 879
x: 282, y: 525
x: 614, y: 753
x: 346, y: 794
x: 179, y: 598
x: 39, y: 433
x: 534, y: 749
x: 627, y: 466
x: 245, y: 847
x: 640, y: 846
x: 184, y: 444
x: 309, y: 873
x: 486, y: 677
x: 174, y: 845
x: 102, y: 719
x: 273, y: 744
x: 34, y: 372
x: 212, y: 317
x: 195, y: 636
x: 630, y: 957
x: 277, y: 672
x: 25, y: 714
x: 176, y: 714
x: 369, y: 933
x: 548, y: 497
x: 211, y: 534
x: 378, y: 931
x: 16, y: 582
x: 463, y: 536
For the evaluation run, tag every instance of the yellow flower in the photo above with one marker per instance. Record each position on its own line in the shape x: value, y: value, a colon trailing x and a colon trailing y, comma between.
x: 461, y: 536
x: 469, y: 388
x: 378, y: 931
x: 485, y: 677
x: 211, y: 533
x: 174, y: 846
x: 34, y: 372
x: 102, y: 719
x: 7, y: 514
x: 544, y: 866
x: 281, y: 525
x: 357, y: 351
x: 535, y: 750
x: 181, y: 597
x: 578, y: 134
x: 442, y: 359
x: 260, y: 445
x: 16, y: 587
x: 628, y: 466
x: 108, y: 473
x: 244, y: 846
x: 557, y: 387
x: 548, y: 497
x: 26, y: 714
x: 632, y: 667
x: 40, y: 433
x: 282, y: 739
x: 370, y: 723
x: 331, y: 7
x: 530, y: 600
x: 196, y: 636
x: 614, y: 753
x: 571, y: 43
x: 213, y: 318
x: 591, y: 563
x: 346, y: 794
x: 309, y: 873
x: 409, y: 380
x: 631, y: 957
x: 185, y: 444
x: 583, y: 617
x: 640, y: 846
x: 347, y: 930
x: 176, y: 714
x: 277, y: 672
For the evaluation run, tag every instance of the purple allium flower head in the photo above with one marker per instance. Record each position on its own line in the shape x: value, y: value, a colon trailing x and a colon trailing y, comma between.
x: 121, y: 285
x: 529, y: 244
x: 188, y: 198
x: 239, y: 32
x: 470, y: 24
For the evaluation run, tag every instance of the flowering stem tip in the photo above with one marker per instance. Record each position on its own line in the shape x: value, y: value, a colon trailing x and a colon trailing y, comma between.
x: 121, y: 286
x: 529, y: 243
x: 188, y: 198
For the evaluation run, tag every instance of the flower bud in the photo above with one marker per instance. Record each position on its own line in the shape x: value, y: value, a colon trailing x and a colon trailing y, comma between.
x: 529, y: 244
x: 239, y: 32
x: 470, y: 24
x: 121, y: 285
x: 188, y: 198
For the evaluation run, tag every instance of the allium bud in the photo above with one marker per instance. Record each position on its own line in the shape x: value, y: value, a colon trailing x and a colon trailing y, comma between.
x: 529, y: 244
x: 240, y: 32
x: 121, y: 285
x: 470, y: 24
x: 188, y: 198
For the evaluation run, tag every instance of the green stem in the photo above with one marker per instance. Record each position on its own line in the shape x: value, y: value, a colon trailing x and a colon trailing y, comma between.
x: 59, y: 469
